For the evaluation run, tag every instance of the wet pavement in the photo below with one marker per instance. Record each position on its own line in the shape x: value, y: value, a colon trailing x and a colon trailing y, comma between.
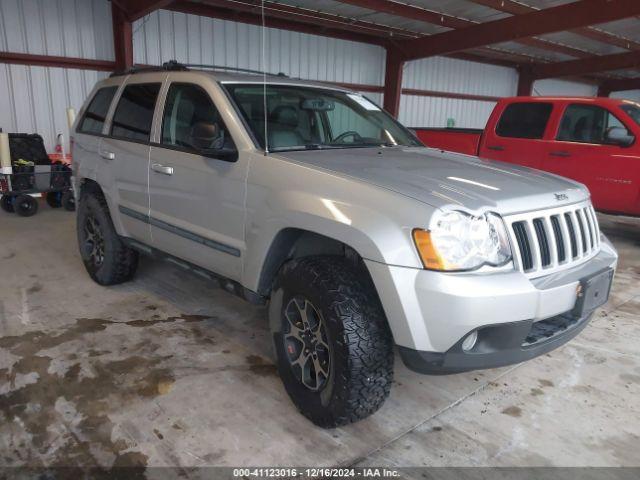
x: 169, y: 370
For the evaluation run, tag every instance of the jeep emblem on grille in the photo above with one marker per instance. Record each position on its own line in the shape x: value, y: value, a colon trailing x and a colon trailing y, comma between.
x: 561, y: 196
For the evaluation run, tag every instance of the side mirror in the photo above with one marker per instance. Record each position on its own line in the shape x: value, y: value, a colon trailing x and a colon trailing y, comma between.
x: 209, y: 140
x: 225, y: 154
x: 618, y: 136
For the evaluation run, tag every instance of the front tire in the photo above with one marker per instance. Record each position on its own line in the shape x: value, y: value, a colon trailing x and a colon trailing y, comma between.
x: 106, y: 257
x: 333, y: 345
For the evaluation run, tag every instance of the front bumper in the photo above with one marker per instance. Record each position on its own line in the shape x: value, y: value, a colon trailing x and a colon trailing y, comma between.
x: 498, y: 345
x: 430, y: 313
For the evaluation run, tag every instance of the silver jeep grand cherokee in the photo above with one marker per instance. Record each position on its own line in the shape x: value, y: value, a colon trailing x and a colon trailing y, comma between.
x: 311, y: 198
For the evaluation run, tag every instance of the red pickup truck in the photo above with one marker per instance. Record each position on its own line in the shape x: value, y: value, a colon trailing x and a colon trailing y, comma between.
x: 591, y: 140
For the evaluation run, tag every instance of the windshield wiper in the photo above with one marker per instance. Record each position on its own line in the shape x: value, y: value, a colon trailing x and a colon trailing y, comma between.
x: 329, y: 146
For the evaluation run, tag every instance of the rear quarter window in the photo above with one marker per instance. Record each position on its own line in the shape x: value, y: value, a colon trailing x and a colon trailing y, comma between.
x: 524, y: 120
x: 134, y: 114
x: 96, y: 113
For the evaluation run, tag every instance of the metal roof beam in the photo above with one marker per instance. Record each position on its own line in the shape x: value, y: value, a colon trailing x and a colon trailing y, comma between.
x: 435, y: 18
x: 600, y: 63
x: 305, y: 15
x: 55, y: 61
x: 139, y: 8
x: 622, y: 84
x: 516, y: 8
x: 315, y: 28
x: 411, y: 11
x: 550, y: 20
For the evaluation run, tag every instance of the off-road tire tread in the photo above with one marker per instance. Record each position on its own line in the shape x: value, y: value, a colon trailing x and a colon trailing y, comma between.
x: 367, y: 380
x: 124, y: 262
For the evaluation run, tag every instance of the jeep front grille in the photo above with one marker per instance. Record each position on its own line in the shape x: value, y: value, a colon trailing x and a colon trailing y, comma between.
x: 555, y: 239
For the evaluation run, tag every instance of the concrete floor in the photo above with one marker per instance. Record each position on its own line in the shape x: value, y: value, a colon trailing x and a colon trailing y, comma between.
x: 168, y: 370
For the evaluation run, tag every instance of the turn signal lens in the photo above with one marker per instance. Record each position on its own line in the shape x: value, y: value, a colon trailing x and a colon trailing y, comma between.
x: 428, y: 254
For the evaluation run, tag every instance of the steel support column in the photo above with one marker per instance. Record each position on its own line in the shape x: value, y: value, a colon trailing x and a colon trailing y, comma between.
x: 393, y: 81
x: 122, y: 38
x: 525, y: 82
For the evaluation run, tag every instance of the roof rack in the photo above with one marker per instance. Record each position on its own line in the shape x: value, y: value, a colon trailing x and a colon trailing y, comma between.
x: 232, y: 69
x: 171, y: 65
x: 175, y: 66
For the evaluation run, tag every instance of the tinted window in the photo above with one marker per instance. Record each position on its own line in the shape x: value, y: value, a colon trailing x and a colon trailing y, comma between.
x: 134, y: 113
x: 96, y: 113
x: 524, y: 120
x: 304, y: 118
x: 633, y: 111
x: 188, y: 109
x: 586, y: 124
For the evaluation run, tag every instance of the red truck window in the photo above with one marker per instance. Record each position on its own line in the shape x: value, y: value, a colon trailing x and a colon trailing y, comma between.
x: 586, y: 124
x: 633, y: 111
x: 524, y: 120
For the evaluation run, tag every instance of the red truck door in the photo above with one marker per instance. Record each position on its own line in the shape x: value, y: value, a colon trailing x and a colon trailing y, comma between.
x: 515, y: 133
x: 580, y: 151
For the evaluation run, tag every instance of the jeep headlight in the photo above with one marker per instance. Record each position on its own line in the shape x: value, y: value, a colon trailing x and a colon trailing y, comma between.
x: 459, y: 241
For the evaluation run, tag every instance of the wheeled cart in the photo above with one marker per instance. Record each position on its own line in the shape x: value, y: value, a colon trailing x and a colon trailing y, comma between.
x: 30, y: 172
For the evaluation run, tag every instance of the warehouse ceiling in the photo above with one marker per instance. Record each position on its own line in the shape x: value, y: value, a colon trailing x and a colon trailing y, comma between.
x: 603, y: 34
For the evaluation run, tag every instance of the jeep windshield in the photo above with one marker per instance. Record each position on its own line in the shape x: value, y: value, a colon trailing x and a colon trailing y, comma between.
x: 308, y: 118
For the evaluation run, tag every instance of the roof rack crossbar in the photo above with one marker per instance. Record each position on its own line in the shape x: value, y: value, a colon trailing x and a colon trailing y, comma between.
x: 174, y: 65
x: 232, y: 69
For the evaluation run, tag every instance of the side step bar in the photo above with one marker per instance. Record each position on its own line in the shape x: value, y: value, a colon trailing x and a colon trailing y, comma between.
x: 225, y: 283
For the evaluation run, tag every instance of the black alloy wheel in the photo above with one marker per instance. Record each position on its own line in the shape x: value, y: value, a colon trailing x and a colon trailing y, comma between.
x: 93, y: 241
x: 307, y: 343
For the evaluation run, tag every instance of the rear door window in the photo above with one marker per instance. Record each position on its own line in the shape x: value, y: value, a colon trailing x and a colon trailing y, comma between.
x: 586, y: 124
x: 524, y: 120
x: 134, y: 114
x: 96, y: 113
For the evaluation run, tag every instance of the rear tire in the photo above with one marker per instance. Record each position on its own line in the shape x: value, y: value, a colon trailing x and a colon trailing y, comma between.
x: 69, y: 201
x: 6, y: 203
x: 330, y: 292
x: 25, y: 205
x: 54, y: 199
x: 106, y: 257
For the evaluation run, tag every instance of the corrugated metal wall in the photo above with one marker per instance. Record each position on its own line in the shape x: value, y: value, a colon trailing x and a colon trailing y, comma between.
x: 34, y: 99
x: 557, y: 87
x: 82, y: 28
x: 457, y: 76
x: 166, y: 35
x: 39, y: 96
x: 68, y: 28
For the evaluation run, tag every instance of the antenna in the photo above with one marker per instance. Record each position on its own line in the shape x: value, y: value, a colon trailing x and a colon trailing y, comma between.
x: 264, y: 81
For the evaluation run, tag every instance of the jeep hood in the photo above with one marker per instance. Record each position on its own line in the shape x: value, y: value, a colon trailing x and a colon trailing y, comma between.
x: 443, y: 179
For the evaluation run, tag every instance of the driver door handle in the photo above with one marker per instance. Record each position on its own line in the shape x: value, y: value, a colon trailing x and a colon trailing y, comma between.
x: 560, y: 154
x: 108, y: 155
x: 163, y: 169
